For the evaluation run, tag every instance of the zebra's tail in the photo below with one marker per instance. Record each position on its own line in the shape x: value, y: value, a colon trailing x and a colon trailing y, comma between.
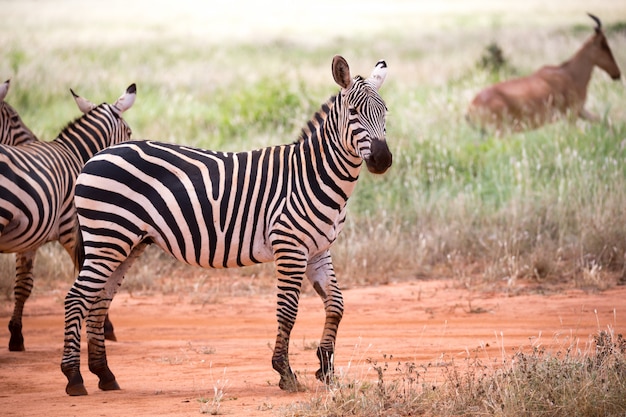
x: 78, y: 255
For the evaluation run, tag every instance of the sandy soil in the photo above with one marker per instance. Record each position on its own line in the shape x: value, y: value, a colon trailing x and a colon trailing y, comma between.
x: 172, y: 353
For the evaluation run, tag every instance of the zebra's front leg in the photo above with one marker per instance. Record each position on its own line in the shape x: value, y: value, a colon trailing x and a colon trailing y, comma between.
x: 289, y: 283
x: 322, y: 276
x: 23, y: 287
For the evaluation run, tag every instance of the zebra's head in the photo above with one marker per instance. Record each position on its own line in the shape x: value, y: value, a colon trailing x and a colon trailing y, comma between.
x: 122, y: 104
x: 366, y: 110
x: 13, y: 131
x: 122, y: 131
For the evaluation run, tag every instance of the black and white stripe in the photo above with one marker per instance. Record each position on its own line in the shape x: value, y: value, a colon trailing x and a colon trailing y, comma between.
x: 285, y: 204
x: 37, y: 183
x: 13, y: 131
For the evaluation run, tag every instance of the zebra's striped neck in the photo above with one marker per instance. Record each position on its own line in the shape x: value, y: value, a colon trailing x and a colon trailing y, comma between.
x: 324, y: 132
x: 91, y: 133
x: 323, y: 154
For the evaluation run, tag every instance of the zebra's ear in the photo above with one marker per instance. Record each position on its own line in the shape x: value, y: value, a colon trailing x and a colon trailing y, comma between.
x: 127, y: 99
x: 341, y: 72
x: 83, y: 104
x: 379, y: 74
x: 4, y: 89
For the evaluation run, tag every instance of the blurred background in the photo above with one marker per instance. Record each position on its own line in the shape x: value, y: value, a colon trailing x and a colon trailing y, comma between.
x: 544, y: 207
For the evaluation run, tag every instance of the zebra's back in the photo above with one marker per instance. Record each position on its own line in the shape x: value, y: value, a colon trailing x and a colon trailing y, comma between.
x: 207, y: 208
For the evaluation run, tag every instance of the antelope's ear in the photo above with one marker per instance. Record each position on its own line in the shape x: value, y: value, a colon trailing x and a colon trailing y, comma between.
x: 127, y: 99
x: 4, y: 89
x: 341, y: 72
x: 379, y: 74
x: 83, y: 104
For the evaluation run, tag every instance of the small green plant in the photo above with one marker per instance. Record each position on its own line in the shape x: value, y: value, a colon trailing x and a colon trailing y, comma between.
x: 493, y: 59
x: 211, y: 404
x: 16, y: 57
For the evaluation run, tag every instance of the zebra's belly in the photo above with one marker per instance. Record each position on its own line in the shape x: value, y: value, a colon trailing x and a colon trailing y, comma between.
x: 220, y: 254
x: 21, y: 235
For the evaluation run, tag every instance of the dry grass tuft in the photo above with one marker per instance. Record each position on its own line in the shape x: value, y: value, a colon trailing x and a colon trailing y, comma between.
x: 573, y: 380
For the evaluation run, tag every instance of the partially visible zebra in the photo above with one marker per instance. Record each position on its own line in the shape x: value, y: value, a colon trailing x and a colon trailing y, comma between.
x: 37, y: 183
x: 285, y: 204
x: 13, y: 131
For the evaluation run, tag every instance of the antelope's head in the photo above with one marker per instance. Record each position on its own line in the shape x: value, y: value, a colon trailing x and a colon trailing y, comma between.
x: 601, y: 52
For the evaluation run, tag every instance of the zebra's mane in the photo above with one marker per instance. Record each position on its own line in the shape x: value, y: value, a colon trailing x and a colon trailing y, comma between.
x: 72, y: 123
x: 319, y: 116
x: 316, y: 120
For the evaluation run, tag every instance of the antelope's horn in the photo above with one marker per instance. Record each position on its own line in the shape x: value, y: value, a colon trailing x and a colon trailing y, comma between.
x: 595, y: 19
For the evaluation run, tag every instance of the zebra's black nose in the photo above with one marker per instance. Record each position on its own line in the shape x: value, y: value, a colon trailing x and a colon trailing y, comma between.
x: 380, y: 157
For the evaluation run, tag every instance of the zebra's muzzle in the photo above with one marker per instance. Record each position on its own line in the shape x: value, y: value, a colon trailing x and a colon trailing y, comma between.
x: 380, y: 157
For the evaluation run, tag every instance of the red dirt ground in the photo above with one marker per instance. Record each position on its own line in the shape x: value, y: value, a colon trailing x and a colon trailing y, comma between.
x: 171, y: 353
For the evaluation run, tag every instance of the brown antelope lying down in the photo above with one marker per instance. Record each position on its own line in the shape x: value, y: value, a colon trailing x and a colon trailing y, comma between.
x: 552, y: 91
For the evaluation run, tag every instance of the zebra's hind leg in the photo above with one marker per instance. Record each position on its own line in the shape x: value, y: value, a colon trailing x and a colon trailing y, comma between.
x: 75, y: 311
x: 96, y: 323
x: 95, y: 344
x: 23, y: 287
x: 78, y: 303
x: 78, y: 306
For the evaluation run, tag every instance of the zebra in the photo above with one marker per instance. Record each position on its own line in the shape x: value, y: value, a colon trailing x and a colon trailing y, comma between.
x: 13, y: 131
x: 37, y: 192
x: 285, y: 204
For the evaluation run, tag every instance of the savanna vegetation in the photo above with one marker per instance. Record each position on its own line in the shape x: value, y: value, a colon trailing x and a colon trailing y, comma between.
x: 544, y: 207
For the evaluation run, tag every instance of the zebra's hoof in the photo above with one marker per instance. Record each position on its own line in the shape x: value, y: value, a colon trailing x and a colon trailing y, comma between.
x: 16, y: 346
x: 325, y: 377
x: 76, y: 390
x: 291, y: 384
x: 109, y: 386
x: 16, y: 341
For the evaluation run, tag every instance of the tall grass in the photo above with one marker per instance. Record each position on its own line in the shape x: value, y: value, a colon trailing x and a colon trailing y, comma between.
x: 541, y: 205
